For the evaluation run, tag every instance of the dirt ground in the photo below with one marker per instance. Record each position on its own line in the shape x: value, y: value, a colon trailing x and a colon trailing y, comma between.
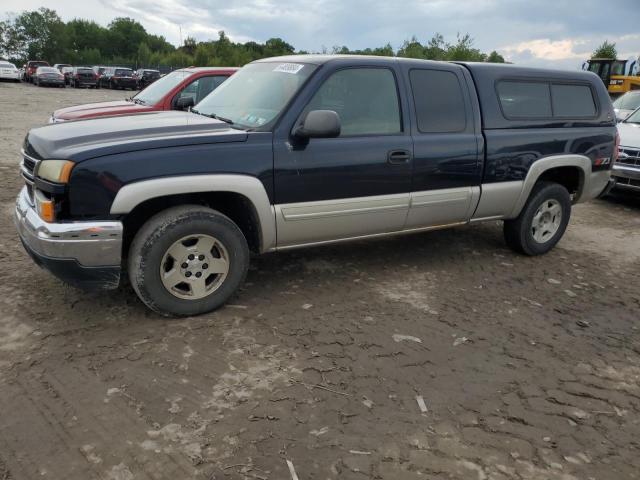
x: 529, y: 368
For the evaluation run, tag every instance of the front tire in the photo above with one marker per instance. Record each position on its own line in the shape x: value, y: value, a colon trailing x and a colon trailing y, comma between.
x: 187, y: 260
x: 542, y: 222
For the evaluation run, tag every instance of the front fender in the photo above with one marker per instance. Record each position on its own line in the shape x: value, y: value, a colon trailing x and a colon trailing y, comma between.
x: 133, y: 194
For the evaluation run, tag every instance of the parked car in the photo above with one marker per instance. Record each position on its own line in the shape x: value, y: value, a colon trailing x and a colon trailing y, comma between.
x: 84, y: 77
x: 30, y: 69
x: 626, y: 170
x: 60, y: 66
x: 307, y: 150
x: 99, y: 71
x: 48, y: 76
x: 68, y: 74
x: 625, y: 104
x: 8, y: 71
x: 175, y: 91
x: 146, y: 77
x: 118, y: 78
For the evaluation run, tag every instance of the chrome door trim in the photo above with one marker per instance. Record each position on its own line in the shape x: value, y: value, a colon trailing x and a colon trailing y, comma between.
x: 331, y: 220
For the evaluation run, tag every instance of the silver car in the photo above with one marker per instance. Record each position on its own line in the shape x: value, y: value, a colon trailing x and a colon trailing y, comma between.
x: 626, y: 170
x: 626, y: 104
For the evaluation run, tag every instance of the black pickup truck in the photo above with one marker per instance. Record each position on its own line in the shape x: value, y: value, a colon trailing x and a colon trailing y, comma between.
x: 306, y: 150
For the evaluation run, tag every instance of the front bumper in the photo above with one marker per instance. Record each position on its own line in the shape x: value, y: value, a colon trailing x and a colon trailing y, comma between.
x: 83, y: 254
x: 9, y: 76
x: 626, y: 176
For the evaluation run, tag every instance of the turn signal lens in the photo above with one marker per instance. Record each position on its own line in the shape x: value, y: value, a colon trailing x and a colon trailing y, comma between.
x: 45, y: 207
x: 57, y: 171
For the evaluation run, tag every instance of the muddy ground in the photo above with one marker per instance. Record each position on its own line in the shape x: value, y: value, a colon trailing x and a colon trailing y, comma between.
x: 529, y: 368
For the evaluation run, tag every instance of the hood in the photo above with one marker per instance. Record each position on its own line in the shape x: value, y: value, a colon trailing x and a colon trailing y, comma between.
x: 95, y: 137
x: 118, y: 107
x: 629, y: 135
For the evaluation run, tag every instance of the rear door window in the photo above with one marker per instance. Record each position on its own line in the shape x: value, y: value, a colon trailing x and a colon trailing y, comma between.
x: 572, y: 101
x: 439, y: 101
x: 525, y: 99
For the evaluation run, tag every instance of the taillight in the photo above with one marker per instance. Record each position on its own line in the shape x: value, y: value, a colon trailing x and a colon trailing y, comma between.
x: 616, y: 148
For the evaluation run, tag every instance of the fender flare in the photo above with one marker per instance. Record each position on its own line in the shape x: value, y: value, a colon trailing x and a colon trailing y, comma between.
x: 544, y: 164
x: 133, y: 194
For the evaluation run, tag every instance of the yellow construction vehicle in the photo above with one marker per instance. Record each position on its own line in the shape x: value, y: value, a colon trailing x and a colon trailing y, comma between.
x: 620, y: 76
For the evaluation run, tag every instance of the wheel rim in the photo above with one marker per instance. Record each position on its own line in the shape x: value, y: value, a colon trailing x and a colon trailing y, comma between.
x: 546, y: 221
x: 194, y: 267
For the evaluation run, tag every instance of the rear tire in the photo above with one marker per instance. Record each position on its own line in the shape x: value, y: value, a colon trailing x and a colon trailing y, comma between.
x: 542, y: 221
x: 179, y: 244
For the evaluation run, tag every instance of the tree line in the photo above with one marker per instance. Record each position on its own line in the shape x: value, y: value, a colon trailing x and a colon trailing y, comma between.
x: 42, y: 35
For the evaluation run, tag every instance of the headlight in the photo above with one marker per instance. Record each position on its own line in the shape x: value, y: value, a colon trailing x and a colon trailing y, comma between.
x: 57, y: 171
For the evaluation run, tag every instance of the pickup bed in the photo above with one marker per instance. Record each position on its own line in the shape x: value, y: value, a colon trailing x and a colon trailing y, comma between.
x: 307, y: 150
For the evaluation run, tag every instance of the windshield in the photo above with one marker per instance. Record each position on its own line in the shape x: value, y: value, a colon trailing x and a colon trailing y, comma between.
x: 257, y: 93
x: 617, y: 67
x: 47, y: 70
x: 158, y: 89
x: 123, y: 72
x: 628, y: 101
x: 38, y: 64
x: 634, y: 117
x: 7, y: 65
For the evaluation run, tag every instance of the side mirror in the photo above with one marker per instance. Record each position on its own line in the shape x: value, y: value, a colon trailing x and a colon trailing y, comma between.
x: 319, y: 124
x: 184, y: 103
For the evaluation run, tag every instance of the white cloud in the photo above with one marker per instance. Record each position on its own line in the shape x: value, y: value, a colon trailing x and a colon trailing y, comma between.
x: 546, y: 49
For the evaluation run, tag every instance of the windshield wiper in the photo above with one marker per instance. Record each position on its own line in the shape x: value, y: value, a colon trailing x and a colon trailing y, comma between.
x: 138, y: 101
x: 214, y: 116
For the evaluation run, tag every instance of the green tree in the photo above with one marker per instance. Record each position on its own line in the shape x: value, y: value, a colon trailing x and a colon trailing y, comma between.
x: 38, y: 34
x: 412, y: 49
x: 463, y: 50
x: 495, y: 57
x: 605, y: 50
x: 144, y: 55
x: 436, y: 48
x: 124, y: 36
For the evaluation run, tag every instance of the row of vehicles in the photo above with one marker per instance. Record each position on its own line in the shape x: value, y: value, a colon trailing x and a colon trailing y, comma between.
x: 62, y: 74
x: 305, y: 150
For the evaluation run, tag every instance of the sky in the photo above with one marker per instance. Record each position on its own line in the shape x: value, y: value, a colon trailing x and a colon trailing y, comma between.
x: 548, y: 33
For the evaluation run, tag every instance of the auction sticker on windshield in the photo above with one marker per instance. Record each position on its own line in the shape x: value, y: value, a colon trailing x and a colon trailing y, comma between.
x: 288, y: 68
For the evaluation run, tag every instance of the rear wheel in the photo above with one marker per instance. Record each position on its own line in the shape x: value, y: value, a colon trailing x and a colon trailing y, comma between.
x: 542, y: 222
x: 187, y: 260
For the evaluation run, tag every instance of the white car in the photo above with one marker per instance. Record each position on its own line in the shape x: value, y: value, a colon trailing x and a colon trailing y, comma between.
x: 8, y: 71
x: 626, y: 170
x: 624, y: 105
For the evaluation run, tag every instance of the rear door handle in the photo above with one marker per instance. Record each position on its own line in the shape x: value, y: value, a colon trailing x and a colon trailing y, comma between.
x: 398, y: 157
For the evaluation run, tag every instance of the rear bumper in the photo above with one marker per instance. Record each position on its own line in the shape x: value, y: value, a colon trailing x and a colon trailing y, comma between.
x: 85, y: 82
x: 83, y: 254
x: 51, y: 81
x: 125, y: 83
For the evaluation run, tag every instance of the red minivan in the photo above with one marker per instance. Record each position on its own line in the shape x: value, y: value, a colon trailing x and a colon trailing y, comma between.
x: 177, y: 90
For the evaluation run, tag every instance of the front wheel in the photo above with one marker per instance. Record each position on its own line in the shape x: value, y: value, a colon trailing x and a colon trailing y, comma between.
x: 542, y: 222
x: 187, y: 260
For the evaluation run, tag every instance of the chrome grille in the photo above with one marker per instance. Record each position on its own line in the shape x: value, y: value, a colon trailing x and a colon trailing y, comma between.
x: 27, y: 169
x: 629, y: 156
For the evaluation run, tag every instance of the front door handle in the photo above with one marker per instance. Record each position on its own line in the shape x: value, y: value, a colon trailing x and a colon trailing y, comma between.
x: 399, y: 157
